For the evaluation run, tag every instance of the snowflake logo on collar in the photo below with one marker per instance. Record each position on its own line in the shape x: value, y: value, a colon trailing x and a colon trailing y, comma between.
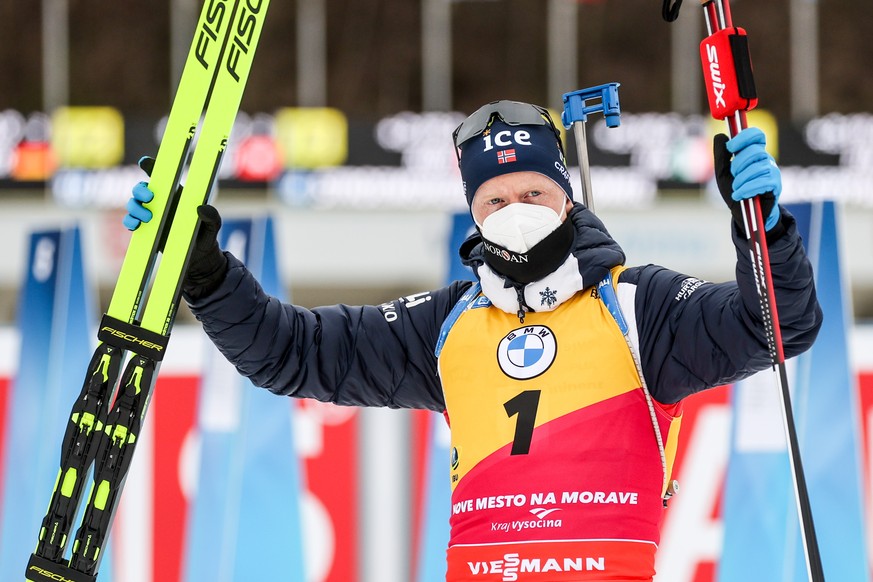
x: 548, y: 297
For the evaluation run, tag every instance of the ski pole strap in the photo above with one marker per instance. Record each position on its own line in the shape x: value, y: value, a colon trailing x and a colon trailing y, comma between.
x: 43, y: 570
x: 671, y: 13
x: 128, y: 336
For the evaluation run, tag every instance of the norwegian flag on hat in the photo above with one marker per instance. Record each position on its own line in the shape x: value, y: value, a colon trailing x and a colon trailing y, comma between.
x: 506, y: 156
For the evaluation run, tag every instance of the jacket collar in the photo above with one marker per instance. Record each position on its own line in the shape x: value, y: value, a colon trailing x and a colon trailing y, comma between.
x: 592, y: 255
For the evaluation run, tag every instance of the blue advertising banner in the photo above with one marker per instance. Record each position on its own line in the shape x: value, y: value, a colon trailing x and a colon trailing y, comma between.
x: 462, y: 227
x: 245, y: 521
x: 437, y: 499
x: 762, y: 536
x: 55, y: 323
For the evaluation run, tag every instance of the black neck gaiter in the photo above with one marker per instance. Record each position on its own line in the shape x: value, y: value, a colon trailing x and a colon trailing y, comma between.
x: 543, y: 258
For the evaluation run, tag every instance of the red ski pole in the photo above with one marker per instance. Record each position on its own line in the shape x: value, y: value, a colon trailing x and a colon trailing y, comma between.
x: 730, y: 86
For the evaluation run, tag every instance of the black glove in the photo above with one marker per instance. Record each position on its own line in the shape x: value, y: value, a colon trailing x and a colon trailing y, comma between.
x: 722, y: 158
x: 207, y: 265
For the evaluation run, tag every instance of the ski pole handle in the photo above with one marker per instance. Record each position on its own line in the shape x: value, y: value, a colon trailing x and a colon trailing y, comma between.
x: 577, y: 110
x: 727, y: 71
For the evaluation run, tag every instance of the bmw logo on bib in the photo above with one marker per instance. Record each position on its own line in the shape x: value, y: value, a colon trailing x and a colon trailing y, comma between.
x: 527, y: 352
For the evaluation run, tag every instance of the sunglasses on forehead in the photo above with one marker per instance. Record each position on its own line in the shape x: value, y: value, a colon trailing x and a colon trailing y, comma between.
x: 510, y: 113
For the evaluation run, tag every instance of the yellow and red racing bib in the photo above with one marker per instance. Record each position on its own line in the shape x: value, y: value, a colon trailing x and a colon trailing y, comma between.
x: 556, y: 471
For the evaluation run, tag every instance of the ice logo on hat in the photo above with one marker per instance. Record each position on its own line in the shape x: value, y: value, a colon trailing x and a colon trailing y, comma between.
x: 527, y: 352
x: 505, y: 138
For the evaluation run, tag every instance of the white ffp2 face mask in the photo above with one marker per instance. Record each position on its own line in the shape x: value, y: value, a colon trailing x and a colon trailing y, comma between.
x: 519, y: 226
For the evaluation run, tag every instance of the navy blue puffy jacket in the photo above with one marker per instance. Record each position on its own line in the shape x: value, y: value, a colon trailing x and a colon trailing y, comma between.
x: 691, y: 335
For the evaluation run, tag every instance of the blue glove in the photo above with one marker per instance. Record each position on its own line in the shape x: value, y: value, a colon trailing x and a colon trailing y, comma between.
x: 752, y: 172
x: 207, y: 265
x: 136, y: 212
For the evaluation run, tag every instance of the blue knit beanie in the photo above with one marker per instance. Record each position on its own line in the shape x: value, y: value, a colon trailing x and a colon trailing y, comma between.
x: 503, y: 149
